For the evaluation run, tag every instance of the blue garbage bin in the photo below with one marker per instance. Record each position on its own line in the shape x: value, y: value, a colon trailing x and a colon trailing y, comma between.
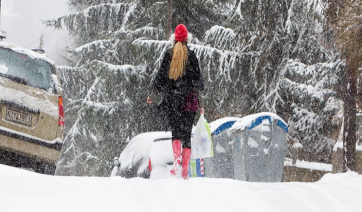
x: 259, y: 144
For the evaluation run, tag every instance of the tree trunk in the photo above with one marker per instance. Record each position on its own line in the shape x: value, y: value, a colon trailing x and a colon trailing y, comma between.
x: 349, y: 133
x: 169, y: 18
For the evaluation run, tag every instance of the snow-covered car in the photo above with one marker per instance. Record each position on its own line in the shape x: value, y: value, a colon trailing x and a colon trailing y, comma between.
x: 146, y: 155
x: 31, y: 106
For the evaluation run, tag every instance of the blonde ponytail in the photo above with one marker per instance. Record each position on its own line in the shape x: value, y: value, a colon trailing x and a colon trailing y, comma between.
x: 178, y: 63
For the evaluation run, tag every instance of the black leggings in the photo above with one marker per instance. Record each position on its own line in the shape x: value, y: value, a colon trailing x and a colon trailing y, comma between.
x: 181, y: 127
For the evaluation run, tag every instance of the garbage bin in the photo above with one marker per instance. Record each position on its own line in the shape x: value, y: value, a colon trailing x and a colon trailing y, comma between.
x: 221, y: 165
x: 259, y: 143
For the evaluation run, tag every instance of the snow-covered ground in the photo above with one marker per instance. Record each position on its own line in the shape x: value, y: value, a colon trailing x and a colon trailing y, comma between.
x: 22, y: 190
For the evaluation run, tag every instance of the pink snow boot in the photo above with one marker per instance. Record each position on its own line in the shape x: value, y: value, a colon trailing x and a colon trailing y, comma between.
x: 186, y: 152
x: 176, y: 146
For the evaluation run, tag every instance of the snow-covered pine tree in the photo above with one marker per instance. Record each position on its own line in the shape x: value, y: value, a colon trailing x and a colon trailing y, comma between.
x: 272, y: 52
x: 313, y: 78
x: 107, y: 88
x: 105, y: 94
x: 256, y: 55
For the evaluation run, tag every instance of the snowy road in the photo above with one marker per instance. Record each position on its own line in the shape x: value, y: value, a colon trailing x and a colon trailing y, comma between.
x: 22, y: 190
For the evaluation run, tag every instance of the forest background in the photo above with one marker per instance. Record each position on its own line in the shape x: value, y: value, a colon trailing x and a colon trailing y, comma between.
x: 275, y: 56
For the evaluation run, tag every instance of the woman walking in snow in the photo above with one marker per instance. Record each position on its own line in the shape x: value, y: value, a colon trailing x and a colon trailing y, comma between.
x: 180, y: 82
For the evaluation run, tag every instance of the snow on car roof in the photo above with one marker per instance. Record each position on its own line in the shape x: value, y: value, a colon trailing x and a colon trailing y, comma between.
x: 28, y: 52
x: 139, y: 147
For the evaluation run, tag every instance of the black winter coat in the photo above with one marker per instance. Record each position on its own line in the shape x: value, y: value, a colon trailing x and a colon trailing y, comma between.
x: 174, y: 92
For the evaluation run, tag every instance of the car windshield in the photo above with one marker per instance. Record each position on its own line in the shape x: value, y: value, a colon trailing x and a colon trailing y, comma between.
x: 26, y: 70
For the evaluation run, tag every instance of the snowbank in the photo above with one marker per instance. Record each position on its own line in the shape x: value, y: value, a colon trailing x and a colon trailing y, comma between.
x: 27, y: 191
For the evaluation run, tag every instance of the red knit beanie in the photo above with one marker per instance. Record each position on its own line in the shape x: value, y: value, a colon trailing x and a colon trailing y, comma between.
x: 181, y: 33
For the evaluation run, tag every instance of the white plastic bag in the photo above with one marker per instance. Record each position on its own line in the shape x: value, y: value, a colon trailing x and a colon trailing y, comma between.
x: 201, y: 143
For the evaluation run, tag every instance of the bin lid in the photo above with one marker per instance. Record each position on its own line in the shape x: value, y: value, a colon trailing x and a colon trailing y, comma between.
x: 253, y: 120
x: 219, y: 125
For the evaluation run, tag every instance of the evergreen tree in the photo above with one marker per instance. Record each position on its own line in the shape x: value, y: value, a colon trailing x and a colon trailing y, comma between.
x: 104, y: 95
x: 256, y: 55
x: 107, y: 88
x: 274, y: 56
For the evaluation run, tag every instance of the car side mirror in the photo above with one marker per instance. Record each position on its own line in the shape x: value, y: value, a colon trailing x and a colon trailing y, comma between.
x: 116, y: 162
x: 2, y: 35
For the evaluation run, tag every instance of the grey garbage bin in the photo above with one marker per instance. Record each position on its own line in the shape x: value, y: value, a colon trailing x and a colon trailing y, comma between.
x: 259, y: 143
x: 221, y: 165
x: 251, y: 148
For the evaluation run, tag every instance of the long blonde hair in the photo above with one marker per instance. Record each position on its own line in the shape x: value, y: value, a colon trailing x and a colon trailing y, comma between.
x: 178, y: 62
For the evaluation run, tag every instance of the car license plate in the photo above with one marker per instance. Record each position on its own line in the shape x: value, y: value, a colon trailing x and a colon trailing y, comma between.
x: 18, y: 117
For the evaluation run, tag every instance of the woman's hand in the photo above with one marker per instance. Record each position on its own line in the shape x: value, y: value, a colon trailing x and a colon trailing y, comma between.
x: 202, y: 110
x: 149, y: 100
